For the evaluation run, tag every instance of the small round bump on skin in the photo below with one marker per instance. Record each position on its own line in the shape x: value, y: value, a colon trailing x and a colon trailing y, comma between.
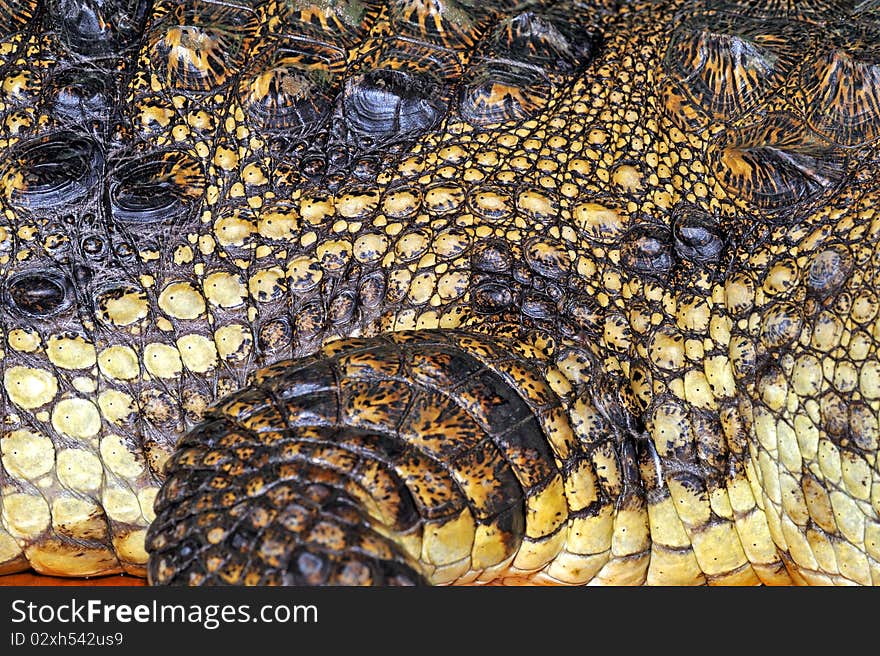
x: 827, y: 331
x: 181, y: 300
x: 162, y: 360
x: 357, y: 205
x: 119, y: 457
x: 773, y: 388
x: 119, y: 363
x: 70, y: 352
x: 865, y: 307
x: 627, y: 177
x: 443, y: 199
x: 29, y: 387
x: 411, y: 245
x: 782, y: 277
x: 26, y: 454
x: 40, y: 294
x: 448, y: 245
x: 489, y: 298
x: 666, y: 349
x: 550, y: 293
x: 273, y: 335
x: 599, y: 223
x: 224, y: 290
x: 193, y: 58
x: 303, y: 273
x: 281, y: 225
x: 829, y: 269
x: 739, y: 294
x: 864, y: 427
x: 492, y: 257
x: 777, y: 163
x: 76, y: 418
x: 781, y: 325
x: 155, y: 188
x: 842, y: 85
x: 121, y: 505
x: 548, y: 259
x: 122, y: 305
x: 536, y: 205
x: 333, y: 256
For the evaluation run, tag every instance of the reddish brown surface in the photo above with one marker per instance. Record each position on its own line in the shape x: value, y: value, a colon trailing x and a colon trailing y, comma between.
x: 29, y: 578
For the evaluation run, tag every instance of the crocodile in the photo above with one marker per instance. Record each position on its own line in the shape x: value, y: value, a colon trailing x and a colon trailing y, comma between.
x: 393, y: 292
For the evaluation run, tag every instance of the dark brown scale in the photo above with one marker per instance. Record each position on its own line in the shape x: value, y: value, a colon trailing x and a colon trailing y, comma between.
x: 491, y: 297
x: 697, y: 236
x: 539, y: 307
x: 812, y: 10
x: 647, y: 250
x: 91, y: 27
x: 56, y: 170
x: 159, y: 187
x: 371, y: 289
x: 38, y: 293
x: 385, y: 103
x: 80, y: 96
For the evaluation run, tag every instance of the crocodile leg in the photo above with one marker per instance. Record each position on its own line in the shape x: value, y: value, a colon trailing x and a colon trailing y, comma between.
x: 419, y: 456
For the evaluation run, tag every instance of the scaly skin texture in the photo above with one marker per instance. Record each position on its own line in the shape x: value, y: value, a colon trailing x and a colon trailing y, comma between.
x: 623, y: 330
